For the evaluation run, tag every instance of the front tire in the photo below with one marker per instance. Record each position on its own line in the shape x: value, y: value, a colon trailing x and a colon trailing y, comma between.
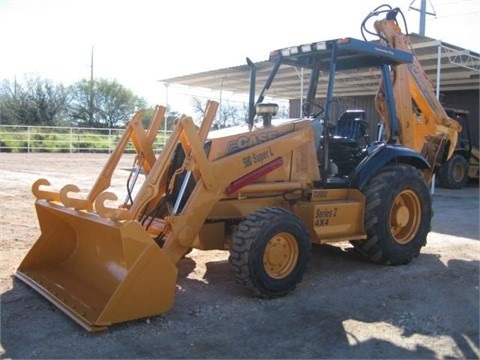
x: 398, y: 215
x: 270, y: 252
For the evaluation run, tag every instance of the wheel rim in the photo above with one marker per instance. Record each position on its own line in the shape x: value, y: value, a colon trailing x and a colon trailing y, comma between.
x: 280, y: 255
x: 458, y: 172
x: 405, y: 217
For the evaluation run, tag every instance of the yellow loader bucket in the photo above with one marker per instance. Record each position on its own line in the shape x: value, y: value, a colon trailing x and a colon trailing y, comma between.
x: 98, y: 271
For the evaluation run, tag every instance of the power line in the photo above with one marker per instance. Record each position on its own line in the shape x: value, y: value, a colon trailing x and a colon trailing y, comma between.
x: 461, y: 14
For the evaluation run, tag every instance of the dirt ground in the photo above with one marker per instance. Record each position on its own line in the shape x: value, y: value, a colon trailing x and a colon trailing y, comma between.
x: 344, y: 307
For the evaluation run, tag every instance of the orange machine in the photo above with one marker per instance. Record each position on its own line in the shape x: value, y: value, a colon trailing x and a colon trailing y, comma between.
x: 264, y: 191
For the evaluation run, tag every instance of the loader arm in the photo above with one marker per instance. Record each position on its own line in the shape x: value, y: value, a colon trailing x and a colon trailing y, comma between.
x: 143, y: 140
x: 214, y: 181
x: 423, y: 123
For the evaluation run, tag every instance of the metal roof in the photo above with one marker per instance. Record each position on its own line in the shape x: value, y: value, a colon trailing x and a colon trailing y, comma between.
x: 459, y: 70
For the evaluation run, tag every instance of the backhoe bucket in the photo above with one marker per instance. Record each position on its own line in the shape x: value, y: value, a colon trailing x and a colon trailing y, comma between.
x: 98, y: 271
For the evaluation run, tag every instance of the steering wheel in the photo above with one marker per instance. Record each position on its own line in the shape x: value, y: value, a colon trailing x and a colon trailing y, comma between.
x: 315, y: 106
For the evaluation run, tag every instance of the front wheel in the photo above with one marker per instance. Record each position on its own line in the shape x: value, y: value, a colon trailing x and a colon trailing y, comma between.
x: 397, y: 217
x: 270, y: 252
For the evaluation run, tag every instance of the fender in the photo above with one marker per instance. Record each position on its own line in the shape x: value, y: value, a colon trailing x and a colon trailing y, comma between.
x: 381, y: 154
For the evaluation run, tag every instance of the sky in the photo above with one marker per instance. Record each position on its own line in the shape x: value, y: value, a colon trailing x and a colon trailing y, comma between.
x: 139, y: 42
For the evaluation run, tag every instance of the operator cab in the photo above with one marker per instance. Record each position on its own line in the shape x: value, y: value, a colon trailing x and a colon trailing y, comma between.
x: 340, y: 149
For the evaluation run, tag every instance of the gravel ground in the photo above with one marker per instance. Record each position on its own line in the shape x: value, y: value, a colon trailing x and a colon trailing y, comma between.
x: 344, y: 308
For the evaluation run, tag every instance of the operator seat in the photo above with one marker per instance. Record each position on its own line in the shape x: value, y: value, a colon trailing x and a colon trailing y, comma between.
x: 353, y: 125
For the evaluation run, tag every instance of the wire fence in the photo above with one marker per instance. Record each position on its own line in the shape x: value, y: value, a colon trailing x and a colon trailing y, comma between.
x: 30, y: 139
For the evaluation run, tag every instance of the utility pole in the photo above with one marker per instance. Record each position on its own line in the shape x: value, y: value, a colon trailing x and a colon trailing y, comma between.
x: 166, y: 115
x: 423, y: 12
x: 90, y: 100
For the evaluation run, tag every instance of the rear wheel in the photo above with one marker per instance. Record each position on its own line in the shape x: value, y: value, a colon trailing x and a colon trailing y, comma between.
x: 454, y: 173
x: 398, y: 215
x: 270, y: 252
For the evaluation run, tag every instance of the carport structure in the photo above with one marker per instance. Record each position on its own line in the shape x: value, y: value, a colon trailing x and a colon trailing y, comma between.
x: 451, y: 69
x: 457, y: 69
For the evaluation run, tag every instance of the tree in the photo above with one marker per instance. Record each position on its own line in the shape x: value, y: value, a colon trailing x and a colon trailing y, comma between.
x: 35, y: 102
x: 103, y: 103
x: 170, y: 119
x: 228, y: 114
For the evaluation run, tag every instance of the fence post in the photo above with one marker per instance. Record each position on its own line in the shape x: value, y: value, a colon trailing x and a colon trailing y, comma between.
x: 28, y: 140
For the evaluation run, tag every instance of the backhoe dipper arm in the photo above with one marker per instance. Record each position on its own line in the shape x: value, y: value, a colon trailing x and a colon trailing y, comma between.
x: 423, y: 123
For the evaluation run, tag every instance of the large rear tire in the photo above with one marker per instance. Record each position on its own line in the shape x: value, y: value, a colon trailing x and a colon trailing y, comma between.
x: 454, y: 173
x: 398, y: 215
x: 270, y: 252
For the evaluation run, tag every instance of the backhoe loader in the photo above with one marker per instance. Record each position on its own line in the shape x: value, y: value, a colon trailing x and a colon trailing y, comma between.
x: 265, y: 191
x: 463, y: 166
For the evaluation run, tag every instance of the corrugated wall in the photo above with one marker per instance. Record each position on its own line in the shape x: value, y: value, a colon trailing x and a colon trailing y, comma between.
x: 467, y: 100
